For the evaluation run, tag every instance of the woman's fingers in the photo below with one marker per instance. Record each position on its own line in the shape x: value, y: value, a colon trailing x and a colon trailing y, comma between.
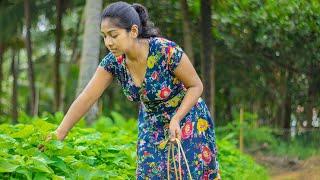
x: 172, y: 135
x: 42, y: 147
x: 175, y: 134
x: 179, y: 134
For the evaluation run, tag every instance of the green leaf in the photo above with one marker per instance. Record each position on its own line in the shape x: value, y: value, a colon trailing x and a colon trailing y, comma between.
x: 41, y: 176
x: 55, y: 177
x: 24, y: 171
x: 24, y: 133
x: 43, y: 126
x: 6, y: 166
x: 39, y: 165
x: 59, y: 163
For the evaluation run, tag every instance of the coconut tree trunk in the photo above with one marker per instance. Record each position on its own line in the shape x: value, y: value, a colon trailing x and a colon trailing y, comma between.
x: 90, y: 50
x: 207, y: 60
x: 187, y: 30
x: 14, y: 97
x: 29, y: 55
x: 1, y: 75
x: 57, y: 81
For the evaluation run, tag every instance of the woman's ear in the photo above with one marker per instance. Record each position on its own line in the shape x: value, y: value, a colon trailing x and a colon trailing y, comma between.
x: 134, y: 31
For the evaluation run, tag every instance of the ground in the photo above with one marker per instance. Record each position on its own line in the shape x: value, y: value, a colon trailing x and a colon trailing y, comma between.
x: 284, y: 168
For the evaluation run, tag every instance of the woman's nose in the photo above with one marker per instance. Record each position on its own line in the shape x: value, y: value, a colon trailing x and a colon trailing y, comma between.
x: 107, y: 42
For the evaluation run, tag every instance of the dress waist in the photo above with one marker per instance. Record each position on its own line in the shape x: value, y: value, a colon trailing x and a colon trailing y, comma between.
x: 166, y: 106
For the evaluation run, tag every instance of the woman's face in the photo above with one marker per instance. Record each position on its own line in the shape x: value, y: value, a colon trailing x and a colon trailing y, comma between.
x: 117, y: 40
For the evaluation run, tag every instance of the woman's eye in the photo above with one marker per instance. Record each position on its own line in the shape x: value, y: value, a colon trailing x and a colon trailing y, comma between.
x: 114, y: 36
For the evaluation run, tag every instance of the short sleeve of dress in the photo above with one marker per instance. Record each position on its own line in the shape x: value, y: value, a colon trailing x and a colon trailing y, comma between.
x: 108, y: 63
x: 175, y: 53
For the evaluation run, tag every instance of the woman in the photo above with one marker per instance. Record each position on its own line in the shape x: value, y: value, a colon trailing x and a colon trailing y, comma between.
x: 156, y: 73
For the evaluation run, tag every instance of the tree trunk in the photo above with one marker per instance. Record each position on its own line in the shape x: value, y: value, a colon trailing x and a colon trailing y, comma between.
x: 14, y: 97
x: 1, y: 75
x: 279, y: 121
x: 57, y: 82
x: 228, y: 111
x: 212, y: 78
x: 187, y: 31
x: 207, y: 61
x: 287, y: 105
x: 313, y: 90
x: 90, y: 50
x: 29, y: 55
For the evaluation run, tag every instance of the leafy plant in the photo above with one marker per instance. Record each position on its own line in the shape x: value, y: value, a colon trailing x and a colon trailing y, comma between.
x: 107, y: 150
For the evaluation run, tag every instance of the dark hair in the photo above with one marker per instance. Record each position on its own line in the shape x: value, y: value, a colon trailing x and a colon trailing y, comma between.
x: 124, y: 15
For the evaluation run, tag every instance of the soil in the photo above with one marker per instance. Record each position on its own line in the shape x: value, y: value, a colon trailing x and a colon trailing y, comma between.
x: 284, y: 168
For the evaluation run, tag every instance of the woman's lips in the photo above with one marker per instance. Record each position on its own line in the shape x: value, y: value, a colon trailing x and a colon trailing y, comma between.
x: 113, y: 51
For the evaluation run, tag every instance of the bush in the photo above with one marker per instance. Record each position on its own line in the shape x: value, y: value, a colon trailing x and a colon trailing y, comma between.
x: 236, y: 165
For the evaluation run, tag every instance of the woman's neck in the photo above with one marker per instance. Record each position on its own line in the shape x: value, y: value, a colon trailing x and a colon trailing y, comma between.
x: 137, y: 51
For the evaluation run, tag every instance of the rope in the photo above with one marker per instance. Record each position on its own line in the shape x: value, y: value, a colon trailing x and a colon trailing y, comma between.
x: 180, y: 149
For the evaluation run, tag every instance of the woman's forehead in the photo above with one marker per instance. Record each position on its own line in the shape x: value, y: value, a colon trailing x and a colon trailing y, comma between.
x: 107, y: 26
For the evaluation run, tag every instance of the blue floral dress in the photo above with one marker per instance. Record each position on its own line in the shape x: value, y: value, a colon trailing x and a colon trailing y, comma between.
x: 159, y: 97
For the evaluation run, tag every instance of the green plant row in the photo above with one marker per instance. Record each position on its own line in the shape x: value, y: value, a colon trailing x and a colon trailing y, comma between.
x: 107, y: 150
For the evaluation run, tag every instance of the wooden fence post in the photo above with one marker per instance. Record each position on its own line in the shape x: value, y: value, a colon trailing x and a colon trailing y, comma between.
x: 241, y: 130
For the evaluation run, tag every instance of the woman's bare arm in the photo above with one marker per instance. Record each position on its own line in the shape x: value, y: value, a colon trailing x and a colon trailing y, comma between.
x: 186, y: 73
x: 98, y: 83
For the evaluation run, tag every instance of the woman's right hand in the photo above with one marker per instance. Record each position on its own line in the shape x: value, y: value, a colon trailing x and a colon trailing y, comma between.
x: 59, y: 135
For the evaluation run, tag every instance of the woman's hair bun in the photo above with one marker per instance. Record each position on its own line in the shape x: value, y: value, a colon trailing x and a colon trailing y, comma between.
x: 143, y: 13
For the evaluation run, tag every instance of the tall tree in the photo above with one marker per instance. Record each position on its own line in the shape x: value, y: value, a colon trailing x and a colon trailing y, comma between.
x: 207, y: 60
x: 288, y: 103
x: 57, y: 81
x: 14, y: 99
x: 32, y: 86
x: 90, y: 50
x: 187, y: 31
x: 1, y: 74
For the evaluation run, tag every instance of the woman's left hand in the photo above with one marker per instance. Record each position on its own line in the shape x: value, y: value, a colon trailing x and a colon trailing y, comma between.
x: 174, y: 129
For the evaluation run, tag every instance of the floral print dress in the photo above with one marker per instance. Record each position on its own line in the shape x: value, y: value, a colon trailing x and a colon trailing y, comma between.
x: 159, y: 97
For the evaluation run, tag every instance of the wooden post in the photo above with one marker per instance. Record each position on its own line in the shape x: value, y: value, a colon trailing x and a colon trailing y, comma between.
x: 241, y: 130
